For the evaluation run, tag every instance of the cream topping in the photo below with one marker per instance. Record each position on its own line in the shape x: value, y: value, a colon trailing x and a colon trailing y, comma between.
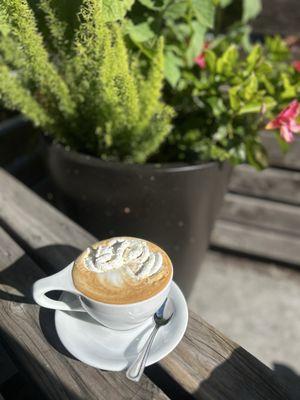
x: 133, y: 255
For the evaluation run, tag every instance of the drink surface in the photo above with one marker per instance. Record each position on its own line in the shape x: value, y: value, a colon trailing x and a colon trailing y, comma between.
x: 122, y: 270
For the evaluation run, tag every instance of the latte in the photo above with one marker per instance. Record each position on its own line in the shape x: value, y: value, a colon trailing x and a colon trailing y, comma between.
x: 122, y: 270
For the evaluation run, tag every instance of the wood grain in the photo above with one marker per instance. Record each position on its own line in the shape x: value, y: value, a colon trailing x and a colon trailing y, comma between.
x: 211, y: 366
x: 278, y: 16
x: 58, y: 376
x: 44, y: 231
x: 263, y: 214
x: 272, y: 183
x: 203, y: 352
x: 255, y: 241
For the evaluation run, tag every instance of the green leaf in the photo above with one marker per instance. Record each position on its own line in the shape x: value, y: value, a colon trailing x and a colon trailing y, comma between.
x: 216, y: 105
x: 269, y: 102
x: 221, y: 134
x: 149, y: 4
x: 255, y: 106
x: 204, y: 11
x: 234, y: 99
x: 249, y: 108
x: 196, y: 42
x: 264, y: 68
x: 227, y: 62
x: 289, y: 90
x: 256, y: 154
x: 211, y: 60
x: 250, y: 88
x: 176, y: 10
x: 172, y: 68
x: 277, y: 49
x: 251, y: 9
x: 140, y: 32
x: 114, y: 10
x: 224, y: 3
x: 267, y: 84
x: 254, y: 57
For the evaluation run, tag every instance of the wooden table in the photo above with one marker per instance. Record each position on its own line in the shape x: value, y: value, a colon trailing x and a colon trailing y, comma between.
x: 36, y: 240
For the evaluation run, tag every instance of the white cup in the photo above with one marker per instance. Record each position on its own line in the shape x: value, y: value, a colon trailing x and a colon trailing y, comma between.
x: 114, y: 316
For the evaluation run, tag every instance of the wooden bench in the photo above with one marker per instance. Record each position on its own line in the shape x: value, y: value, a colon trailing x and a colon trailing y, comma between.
x: 261, y: 214
x: 36, y: 239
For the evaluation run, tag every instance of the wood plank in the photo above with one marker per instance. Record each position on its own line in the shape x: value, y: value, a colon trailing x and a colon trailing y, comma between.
x: 272, y: 183
x: 58, y: 376
x: 195, y: 360
x: 211, y: 366
x: 46, y: 232
x: 278, y: 16
x: 7, y: 367
x: 263, y: 214
x: 277, y: 158
x: 257, y: 242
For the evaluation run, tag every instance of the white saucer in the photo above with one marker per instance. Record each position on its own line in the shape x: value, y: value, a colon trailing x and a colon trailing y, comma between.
x: 112, y: 350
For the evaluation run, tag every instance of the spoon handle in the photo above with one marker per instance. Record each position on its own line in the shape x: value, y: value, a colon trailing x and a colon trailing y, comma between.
x: 136, y: 369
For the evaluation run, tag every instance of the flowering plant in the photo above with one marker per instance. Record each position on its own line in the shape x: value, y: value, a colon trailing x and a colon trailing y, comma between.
x: 91, y: 74
x: 224, y: 101
x: 286, y: 122
x: 222, y: 87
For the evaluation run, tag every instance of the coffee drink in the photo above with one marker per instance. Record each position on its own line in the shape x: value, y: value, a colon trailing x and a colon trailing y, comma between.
x: 122, y: 270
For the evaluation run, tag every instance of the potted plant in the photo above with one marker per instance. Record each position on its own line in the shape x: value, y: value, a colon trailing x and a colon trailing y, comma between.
x: 128, y: 158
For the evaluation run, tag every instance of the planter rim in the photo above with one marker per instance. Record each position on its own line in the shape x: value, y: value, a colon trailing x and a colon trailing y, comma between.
x: 12, y: 122
x: 155, y: 167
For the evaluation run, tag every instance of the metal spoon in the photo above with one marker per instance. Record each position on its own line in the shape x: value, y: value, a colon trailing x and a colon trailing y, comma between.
x: 161, y: 317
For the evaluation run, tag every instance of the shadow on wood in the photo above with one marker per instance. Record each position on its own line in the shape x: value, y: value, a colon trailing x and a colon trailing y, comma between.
x: 36, y: 370
x: 19, y: 290
x: 232, y: 382
x: 18, y: 282
x: 289, y: 378
x: 47, y: 325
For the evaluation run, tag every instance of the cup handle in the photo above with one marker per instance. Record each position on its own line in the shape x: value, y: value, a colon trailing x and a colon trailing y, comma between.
x: 62, y: 280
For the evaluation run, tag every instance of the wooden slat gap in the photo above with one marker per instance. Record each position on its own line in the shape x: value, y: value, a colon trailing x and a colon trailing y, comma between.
x: 253, y: 257
x: 262, y: 197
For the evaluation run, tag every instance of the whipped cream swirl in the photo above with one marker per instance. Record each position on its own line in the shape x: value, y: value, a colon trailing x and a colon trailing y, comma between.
x: 133, y: 255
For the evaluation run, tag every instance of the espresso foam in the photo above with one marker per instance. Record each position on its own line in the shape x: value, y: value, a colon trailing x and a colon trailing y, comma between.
x: 122, y: 270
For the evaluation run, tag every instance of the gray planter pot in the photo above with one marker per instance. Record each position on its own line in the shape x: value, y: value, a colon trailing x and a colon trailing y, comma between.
x: 172, y: 205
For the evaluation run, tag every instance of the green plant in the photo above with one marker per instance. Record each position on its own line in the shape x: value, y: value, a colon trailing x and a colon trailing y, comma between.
x: 222, y: 103
x: 84, y: 89
x: 222, y: 107
x: 184, y: 24
x: 90, y: 74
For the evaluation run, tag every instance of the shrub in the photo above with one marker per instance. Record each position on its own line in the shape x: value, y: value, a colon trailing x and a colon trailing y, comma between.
x: 222, y: 107
x: 88, y: 92
x: 90, y: 73
x: 222, y: 94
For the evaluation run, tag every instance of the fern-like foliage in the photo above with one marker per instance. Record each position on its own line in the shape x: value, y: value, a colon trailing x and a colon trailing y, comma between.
x: 91, y: 94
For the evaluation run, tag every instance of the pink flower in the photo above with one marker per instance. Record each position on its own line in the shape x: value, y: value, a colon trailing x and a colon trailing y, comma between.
x: 200, y: 59
x: 286, y: 121
x: 296, y: 65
